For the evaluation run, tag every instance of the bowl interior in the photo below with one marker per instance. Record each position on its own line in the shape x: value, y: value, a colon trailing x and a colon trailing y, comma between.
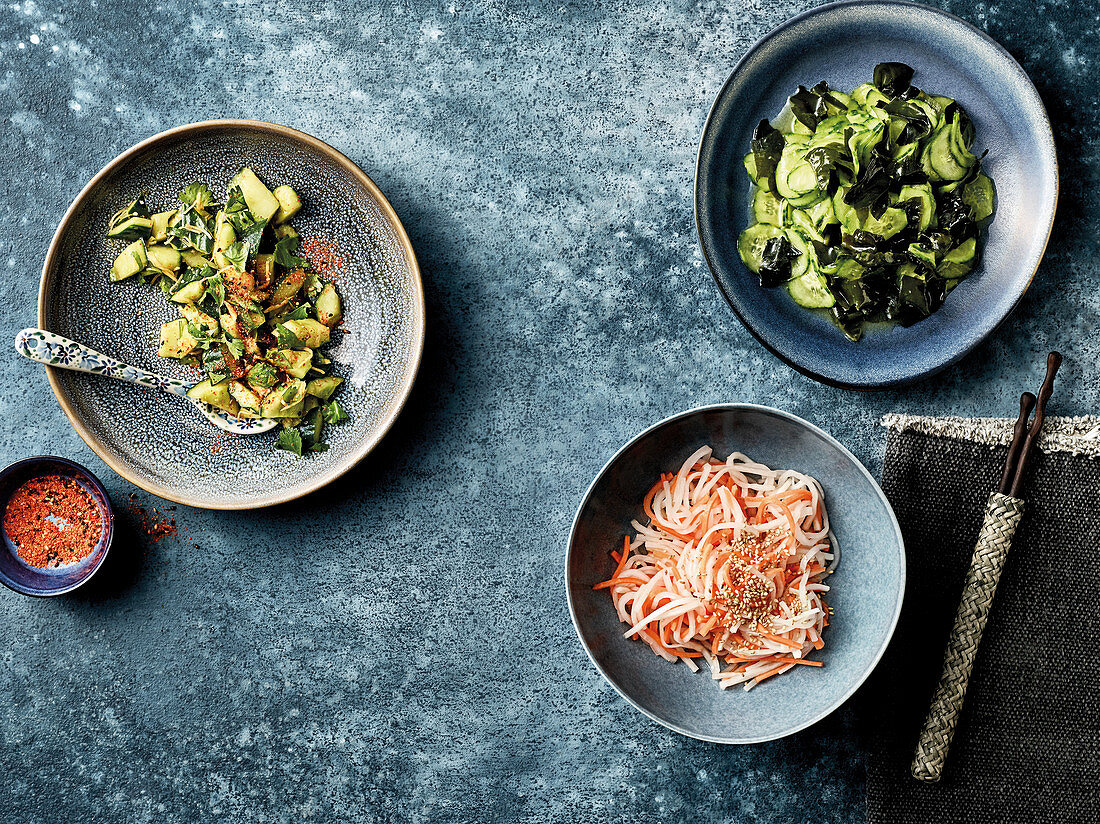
x: 841, y: 44
x: 866, y: 590
x: 14, y: 571
x: 162, y: 443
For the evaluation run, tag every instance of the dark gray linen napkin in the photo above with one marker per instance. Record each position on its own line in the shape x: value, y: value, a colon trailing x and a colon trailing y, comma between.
x: 1027, y: 748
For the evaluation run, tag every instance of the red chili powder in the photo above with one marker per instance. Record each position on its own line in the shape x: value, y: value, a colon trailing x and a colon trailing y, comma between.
x: 53, y: 521
x: 328, y: 262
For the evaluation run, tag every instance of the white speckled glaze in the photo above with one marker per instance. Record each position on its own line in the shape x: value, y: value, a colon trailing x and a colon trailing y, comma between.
x: 149, y: 438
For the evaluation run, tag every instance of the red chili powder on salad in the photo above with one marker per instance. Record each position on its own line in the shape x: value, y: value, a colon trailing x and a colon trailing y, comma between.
x: 53, y: 521
x: 328, y: 262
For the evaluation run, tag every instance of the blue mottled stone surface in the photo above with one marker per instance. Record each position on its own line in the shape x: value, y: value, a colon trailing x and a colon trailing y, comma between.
x: 397, y: 647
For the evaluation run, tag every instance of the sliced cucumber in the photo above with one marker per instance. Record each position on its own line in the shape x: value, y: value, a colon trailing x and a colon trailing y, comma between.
x: 767, y: 208
x: 801, y: 264
x: 752, y: 241
x: 978, y: 195
x: 811, y: 291
x: 794, y: 176
x: 848, y: 217
x: 963, y: 253
x: 893, y: 220
x: 923, y: 193
x: 941, y: 158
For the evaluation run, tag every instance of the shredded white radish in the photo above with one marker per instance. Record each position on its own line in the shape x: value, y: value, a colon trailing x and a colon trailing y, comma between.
x: 729, y: 567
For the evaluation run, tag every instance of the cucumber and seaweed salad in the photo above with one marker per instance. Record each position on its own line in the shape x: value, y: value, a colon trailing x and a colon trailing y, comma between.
x: 869, y: 205
x: 254, y: 316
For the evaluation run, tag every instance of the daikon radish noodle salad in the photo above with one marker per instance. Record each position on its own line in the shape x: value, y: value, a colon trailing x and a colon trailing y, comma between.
x: 728, y: 571
x: 254, y: 317
x: 869, y: 204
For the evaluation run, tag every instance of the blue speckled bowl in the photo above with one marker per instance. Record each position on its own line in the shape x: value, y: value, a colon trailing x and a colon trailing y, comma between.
x: 866, y: 591
x: 162, y: 444
x: 20, y: 576
x: 841, y: 43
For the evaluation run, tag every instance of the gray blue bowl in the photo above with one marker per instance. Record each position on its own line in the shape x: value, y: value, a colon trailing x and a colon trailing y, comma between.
x: 841, y: 43
x: 15, y: 573
x: 866, y: 593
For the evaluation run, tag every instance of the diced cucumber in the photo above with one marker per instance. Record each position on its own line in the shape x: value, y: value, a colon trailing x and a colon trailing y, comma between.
x: 130, y: 261
x: 323, y: 387
x: 246, y: 397
x: 131, y: 228
x: 164, y: 259
x: 160, y: 223
x: 849, y: 269
x: 175, y: 340
x: 260, y: 201
x: 216, y: 395
x: 285, y: 230
x: 289, y: 203
x: 963, y: 253
x: 192, y: 258
x: 750, y: 245
x: 288, y: 286
x: 294, y: 362
x: 199, y: 318
x: 190, y: 293
x: 328, y: 308
x: 924, y: 254
x: 310, y: 332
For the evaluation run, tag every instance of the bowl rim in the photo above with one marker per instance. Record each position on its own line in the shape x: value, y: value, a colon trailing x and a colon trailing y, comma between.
x: 108, y: 509
x: 50, y: 264
x: 829, y: 439
x: 705, y: 139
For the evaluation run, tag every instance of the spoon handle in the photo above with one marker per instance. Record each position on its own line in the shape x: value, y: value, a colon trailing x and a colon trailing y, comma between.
x: 55, y: 350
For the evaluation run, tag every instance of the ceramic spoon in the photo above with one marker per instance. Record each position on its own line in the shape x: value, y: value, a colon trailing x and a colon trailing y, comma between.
x: 54, y: 350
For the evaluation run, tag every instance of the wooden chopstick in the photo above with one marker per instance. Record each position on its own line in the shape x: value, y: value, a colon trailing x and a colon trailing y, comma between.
x: 1054, y: 360
x: 1027, y: 403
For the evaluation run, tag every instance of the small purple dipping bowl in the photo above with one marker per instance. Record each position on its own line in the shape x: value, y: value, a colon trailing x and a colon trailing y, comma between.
x: 15, y: 573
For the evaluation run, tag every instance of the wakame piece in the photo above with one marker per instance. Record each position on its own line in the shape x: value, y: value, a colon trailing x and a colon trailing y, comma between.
x: 1002, y: 517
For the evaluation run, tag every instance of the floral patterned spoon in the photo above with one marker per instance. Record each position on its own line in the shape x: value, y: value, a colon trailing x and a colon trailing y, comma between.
x: 54, y: 350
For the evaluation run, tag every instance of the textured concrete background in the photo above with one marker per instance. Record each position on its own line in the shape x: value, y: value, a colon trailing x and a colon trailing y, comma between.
x: 397, y: 646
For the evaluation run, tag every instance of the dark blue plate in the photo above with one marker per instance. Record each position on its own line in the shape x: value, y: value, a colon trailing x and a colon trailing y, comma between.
x: 841, y: 43
x: 866, y: 591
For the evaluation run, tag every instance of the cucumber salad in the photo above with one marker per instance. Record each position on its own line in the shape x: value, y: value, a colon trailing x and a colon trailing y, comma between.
x: 254, y: 317
x: 868, y: 204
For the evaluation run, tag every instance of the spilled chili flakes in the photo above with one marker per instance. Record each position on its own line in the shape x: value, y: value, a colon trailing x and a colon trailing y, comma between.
x: 52, y: 521
x: 154, y: 524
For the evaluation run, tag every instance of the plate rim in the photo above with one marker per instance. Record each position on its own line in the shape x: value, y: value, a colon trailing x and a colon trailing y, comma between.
x: 49, y: 267
x: 829, y: 439
x: 955, y: 357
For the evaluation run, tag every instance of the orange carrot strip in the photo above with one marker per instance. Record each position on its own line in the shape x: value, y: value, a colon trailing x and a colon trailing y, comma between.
x: 768, y: 674
x: 805, y: 661
x: 780, y: 640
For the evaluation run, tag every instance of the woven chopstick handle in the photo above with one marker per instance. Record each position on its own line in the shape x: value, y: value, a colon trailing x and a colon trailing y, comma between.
x: 1002, y: 515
